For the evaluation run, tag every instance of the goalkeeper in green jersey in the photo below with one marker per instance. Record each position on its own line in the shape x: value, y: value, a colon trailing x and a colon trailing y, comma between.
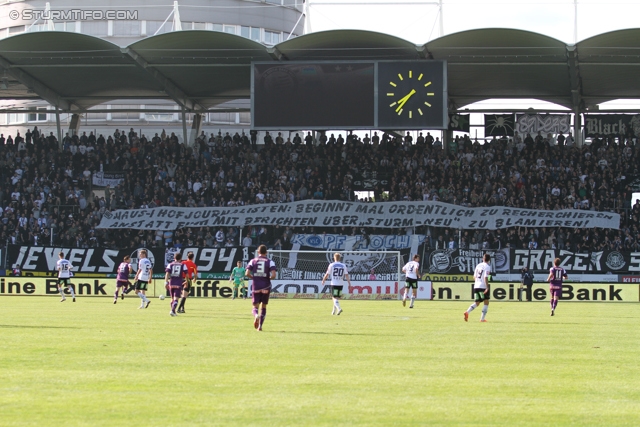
x: 237, y: 277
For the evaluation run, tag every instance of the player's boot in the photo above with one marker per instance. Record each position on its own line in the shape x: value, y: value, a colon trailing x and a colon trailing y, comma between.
x: 484, y: 320
x: 256, y: 322
x: 63, y: 299
x: 466, y: 316
x: 172, y: 313
x: 552, y: 312
x: 147, y: 305
x: 115, y: 300
x: 122, y: 296
x: 339, y: 311
x: 74, y: 299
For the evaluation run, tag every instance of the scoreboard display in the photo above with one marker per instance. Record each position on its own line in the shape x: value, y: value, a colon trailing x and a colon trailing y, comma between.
x: 349, y: 95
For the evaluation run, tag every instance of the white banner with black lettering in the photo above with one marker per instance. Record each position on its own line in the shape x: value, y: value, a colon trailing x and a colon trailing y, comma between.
x: 362, y: 242
x: 102, y: 179
x: 324, y: 213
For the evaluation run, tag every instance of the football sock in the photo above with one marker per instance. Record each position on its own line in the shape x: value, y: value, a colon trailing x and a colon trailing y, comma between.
x: 471, y: 308
x: 73, y: 294
x: 336, y: 303
x: 255, y: 312
x: 61, y: 292
x: 554, y: 304
x: 404, y: 297
x: 484, y: 312
x: 263, y: 314
x: 174, y: 305
x: 412, y: 300
x: 551, y: 302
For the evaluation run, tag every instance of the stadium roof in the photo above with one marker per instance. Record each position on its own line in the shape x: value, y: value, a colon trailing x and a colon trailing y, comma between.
x: 202, y: 69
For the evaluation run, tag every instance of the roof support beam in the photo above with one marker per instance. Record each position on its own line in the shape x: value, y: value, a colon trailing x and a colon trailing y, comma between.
x: 44, y: 91
x: 276, y: 54
x: 169, y: 87
x: 574, y: 79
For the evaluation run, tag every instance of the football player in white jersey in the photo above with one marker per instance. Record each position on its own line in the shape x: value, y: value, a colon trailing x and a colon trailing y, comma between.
x: 64, y: 267
x: 143, y: 276
x: 412, y: 271
x: 481, y: 288
x: 337, y: 271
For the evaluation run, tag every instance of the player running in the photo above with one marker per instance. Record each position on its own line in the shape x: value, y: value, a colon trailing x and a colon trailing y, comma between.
x: 556, y: 275
x: 64, y: 267
x: 412, y: 271
x: 237, y: 277
x: 262, y: 270
x: 191, y: 275
x: 481, y: 288
x: 122, y: 279
x: 143, y: 276
x: 337, y: 271
x: 174, y: 280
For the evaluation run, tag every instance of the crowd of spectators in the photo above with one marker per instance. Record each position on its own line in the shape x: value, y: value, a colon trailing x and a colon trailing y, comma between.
x: 47, y: 196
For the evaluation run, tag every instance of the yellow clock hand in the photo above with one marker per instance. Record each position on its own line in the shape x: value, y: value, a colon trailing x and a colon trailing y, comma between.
x: 404, y: 100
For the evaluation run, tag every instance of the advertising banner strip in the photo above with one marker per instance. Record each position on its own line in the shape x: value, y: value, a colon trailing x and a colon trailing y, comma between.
x: 442, y: 291
x: 599, y: 292
x: 336, y: 213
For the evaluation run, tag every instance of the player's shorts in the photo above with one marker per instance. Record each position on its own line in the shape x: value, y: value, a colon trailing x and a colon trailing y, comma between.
x: 175, y: 291
x: 238, y: 282
x: 261, y: 296
x: 411, y: 283
x: 555, y: 292
x: 336, y: 291
x: 64, y: 281
x: 187, y: 283
x: 479, y: 295
x: 121, y: 283
x: 141, y: 285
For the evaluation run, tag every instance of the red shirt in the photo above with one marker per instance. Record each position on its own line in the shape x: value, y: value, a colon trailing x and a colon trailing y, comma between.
x: 192, y: 269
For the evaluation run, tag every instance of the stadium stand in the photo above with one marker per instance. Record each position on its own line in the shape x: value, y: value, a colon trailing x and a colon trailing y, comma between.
x: 47, y: 196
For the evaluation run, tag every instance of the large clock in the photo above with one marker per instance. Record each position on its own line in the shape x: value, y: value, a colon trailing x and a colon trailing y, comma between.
x: 412, y: 95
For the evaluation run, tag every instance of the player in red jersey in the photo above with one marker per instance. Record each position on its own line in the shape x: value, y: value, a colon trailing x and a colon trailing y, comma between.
x: 190, y: 277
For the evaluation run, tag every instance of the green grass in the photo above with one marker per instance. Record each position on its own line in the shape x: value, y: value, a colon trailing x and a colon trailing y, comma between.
x: 93, y: 363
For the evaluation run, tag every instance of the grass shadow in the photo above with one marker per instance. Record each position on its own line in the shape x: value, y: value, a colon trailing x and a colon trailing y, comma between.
x: 38, y: 327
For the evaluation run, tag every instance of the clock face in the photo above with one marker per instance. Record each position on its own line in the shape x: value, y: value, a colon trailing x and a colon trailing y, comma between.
x: 411, y: 95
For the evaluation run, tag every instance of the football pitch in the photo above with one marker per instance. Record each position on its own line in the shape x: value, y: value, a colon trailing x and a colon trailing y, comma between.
x: 97, y: 364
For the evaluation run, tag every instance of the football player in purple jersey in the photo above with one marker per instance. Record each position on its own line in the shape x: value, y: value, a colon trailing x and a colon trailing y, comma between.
x: 175, y: 274
x: 556, y: 275
x: 122, y: 280
x: 262, y: 270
